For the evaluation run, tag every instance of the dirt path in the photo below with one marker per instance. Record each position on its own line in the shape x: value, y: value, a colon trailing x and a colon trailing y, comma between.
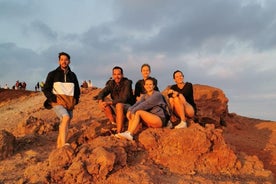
x: 16, y: 108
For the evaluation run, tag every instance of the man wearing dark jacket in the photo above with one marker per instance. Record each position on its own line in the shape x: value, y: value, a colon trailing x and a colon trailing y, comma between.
x: 120, y: 91
x: 62, y: 92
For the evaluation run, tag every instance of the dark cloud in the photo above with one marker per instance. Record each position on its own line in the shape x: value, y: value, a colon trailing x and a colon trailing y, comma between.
x: 41, y: 30
x: 186, y: 25
x: 21, y: 64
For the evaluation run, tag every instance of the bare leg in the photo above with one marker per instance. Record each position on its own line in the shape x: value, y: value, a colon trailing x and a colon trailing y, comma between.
x: 189, y: 110
x: 119, y: 116
x: 63, y: 131
x: 109, y: 114
x: 179, y: 108
x: 151, y: 120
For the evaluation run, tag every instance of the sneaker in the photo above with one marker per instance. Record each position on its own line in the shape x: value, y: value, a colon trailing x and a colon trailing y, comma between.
x: 125, y: 135
x: 169, y: 125
x: 182, y: 124
x: 111, y: 123
x: 117, y: 135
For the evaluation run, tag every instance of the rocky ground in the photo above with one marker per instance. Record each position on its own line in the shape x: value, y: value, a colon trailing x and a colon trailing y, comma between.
x: 243, y: 151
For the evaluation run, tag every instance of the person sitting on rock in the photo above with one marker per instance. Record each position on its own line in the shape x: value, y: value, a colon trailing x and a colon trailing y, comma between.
x: 150, y: 110
x: 181, y: 99
x: 139, y: 86
x: 120, y: 90
x: 84, y: 84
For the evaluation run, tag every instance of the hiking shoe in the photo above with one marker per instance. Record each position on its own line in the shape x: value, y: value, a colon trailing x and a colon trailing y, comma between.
x: 125, y: 135
x: 182, y: 124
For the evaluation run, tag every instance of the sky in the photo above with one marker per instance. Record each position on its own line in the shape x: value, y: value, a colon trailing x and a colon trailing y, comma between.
x: 229, y: 44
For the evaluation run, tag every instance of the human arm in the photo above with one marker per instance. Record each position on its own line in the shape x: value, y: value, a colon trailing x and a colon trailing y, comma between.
x: 147, y: 102
x: 105, y: 91
x: 76, y: 89
x: 172, y: 93
x: 48, y: 88
x: 137, y: 89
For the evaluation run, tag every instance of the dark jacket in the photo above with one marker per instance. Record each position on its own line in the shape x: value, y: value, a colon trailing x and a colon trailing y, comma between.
x: 62, y: 88
x: 119, y: 93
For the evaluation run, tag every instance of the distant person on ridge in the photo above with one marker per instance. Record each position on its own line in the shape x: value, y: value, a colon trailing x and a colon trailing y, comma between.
x: 62, y: 91
x: 120, y: 90
x: 84, y: 84
x: 181, y: 99
x: 139, y: 86
x: 6, y: 86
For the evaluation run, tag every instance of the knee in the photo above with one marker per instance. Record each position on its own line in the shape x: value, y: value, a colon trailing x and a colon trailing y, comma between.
x: 138, y: 113
x: 66, y: 118
x: 190, y: 113
x: 176, y: 100
x: 119, y: 107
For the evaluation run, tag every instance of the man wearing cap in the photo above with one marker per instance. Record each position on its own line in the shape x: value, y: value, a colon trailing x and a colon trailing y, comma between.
x: 62, y: 92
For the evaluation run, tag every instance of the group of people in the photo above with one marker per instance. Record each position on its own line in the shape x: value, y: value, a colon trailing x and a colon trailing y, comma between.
x: 86, y: 84
x: 145, y: 106
x: 18, y: 86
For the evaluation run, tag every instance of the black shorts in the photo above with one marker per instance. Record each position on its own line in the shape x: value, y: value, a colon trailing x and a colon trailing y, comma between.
x: 164, y: 121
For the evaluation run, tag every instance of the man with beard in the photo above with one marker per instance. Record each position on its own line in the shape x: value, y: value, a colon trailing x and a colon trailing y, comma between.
x: 62, y: 92
x: 120, y: 90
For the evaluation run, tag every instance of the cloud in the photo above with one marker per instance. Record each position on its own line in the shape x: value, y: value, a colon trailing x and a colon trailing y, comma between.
x: 21, y: 64
x: 41, y: 30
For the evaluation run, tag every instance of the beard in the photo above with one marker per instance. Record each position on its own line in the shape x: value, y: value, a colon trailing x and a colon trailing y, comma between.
x: 64, y: 66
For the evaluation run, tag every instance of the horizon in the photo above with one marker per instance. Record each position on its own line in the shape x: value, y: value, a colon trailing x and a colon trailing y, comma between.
x: 161, y: 89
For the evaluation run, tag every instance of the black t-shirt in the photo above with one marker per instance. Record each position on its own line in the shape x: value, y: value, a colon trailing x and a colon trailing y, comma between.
x: 140, y: 89
x: 187, y: 92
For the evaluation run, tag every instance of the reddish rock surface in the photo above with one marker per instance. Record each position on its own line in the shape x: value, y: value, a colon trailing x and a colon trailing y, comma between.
x: 241, y: 152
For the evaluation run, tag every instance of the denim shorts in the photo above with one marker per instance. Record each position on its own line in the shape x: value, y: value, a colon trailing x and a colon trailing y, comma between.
x: 61, y: 111
x: 125, y: 108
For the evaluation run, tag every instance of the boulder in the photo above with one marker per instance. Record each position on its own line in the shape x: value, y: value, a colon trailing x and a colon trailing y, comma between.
x: 211, y: 105
x: 37, y: 126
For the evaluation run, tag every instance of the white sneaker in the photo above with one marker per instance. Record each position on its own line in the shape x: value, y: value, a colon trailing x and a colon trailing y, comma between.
x: 169, y: 125
x: 182, y: 124
x: 125, y: 135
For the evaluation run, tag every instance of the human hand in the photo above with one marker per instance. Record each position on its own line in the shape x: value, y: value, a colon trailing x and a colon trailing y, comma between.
x: 102, y: 104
